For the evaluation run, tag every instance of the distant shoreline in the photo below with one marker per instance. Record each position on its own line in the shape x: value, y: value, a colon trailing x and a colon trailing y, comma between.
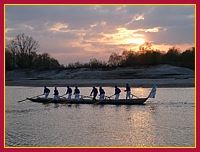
x: 162, y: 76
x: 169, y: 83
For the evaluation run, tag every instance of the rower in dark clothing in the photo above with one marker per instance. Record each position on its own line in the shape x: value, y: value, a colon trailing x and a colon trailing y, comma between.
x: 46, y: 92
x: 94, y: 92
x: 128, y: 91
x: 69, y: 92
x: 77, y: 92
x: 102, y: 93
x: 56, y: 93
x: 117, y: 93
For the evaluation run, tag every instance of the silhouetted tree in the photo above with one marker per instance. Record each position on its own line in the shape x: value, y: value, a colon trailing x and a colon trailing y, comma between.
x: 115, y: 60
x: 45, y: 62
x: 23, y: 47
x: 21, y: 53
x: 153, y: 57
x: 10, y: 60
x: 145, y: 47
x: 94, y: 63
x: 129, y: 58
x: 187, y: 58
x: 172, y: 56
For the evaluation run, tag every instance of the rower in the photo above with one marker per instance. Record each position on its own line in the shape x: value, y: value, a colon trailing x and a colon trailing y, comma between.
x: 56, y: 93
x: 128, y: 91
x: 46, y: 92
x: 117, y: 93
x: 94, y: 92
x: 76, y: 92
x: 102, y: 93
x: 69, y: 92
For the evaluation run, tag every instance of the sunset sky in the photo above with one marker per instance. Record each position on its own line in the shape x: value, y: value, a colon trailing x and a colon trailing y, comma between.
x: 79, y: 33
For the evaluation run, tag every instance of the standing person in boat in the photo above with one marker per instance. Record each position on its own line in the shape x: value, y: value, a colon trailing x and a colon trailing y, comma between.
x: 56, y: 93
x: 77, y: 92
x: 46, y: 92
x: 69, y: 92
x: 102, y: 93
x: 117, y: 93
x: 128, y: 91
x: 94, y: 92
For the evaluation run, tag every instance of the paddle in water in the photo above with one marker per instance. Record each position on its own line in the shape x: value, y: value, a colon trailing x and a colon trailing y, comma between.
x: 134, y: 96
x: 30, y: 97
x: 103, y: 100
x: 111, y: 96
x: 62, y: 95
x: 83, y: 96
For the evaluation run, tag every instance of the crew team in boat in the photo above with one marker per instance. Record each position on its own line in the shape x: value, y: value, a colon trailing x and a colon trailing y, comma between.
x: 93, y: 93
x: 129, y: 100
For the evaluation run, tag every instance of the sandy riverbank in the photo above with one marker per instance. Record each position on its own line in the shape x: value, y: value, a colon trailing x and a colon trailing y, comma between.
x: 162, y: 76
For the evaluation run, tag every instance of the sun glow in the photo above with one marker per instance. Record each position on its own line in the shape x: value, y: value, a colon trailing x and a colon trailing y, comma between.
x: 138, y: 41
x: 123, y: 36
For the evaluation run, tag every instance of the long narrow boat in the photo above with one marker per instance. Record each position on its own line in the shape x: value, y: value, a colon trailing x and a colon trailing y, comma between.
x: 90, y: 101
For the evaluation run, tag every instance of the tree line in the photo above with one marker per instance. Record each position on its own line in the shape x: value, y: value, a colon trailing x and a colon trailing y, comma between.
x: 144, y: 57
x: 154, y: 57
x: 21, y: 53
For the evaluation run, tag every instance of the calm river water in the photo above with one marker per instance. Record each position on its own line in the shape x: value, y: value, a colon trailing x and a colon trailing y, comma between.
x: 167, y: 120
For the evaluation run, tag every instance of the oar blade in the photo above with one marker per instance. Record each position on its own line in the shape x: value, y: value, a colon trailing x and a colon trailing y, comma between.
x: 22, y: 100
x: 30, y: 97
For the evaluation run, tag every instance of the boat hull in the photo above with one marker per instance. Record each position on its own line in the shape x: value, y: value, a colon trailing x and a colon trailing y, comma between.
x: 89, y: 101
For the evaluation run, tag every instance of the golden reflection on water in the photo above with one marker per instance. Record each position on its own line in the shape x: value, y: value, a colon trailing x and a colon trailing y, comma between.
x: 140, y: 92
x: 167, y: 120
x: 144, y: 129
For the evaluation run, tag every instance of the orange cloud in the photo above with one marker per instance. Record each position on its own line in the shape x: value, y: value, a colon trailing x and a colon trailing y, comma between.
x: 136, y: 18
x: 59, y: 27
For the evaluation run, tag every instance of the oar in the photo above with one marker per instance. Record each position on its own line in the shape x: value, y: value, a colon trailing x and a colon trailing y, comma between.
x: 62, y: 95
x: 111, y: 96
x: 86, y: 96
x: 54, y: 99
x: 107, y: 97
x: 30, y: 97
x: 98, y: 102
x: 134, y: 96
x: 102, y: 100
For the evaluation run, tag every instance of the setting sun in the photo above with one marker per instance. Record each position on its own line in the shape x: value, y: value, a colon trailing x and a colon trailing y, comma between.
x: 135, y: 41
x: 124, y: 36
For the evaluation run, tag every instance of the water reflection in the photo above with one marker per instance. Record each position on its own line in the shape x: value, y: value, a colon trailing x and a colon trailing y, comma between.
x: 140, y: 92
x: 56, y: 105
x: 144, y: 130
x: 152, y: 108
x: 165, y: 121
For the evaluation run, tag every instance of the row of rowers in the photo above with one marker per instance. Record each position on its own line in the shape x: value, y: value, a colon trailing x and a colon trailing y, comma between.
x: 93, y: 93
